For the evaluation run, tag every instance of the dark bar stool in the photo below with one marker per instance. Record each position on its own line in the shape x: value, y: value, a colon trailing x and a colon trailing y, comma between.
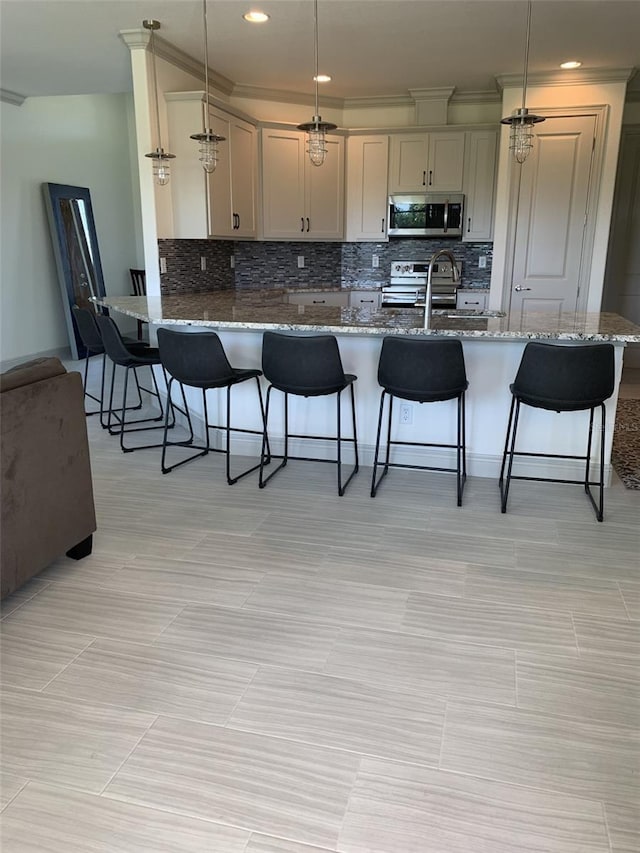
x: 198, y: 360
x: 138, y: 288
x: 117, y: 351
x: 561, y: 379
x: 89, y: 332
x: 423, y: 371
x: 306, y: 367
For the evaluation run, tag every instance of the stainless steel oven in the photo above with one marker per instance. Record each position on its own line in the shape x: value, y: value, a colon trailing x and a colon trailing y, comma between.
x: 408, y: 284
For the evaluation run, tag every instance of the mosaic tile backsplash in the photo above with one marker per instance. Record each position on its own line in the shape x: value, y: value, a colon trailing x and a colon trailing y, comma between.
x: 275, y: 264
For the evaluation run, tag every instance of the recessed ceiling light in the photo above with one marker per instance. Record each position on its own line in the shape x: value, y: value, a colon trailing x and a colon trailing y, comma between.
x: 255, y: 17
x: 572, y: 63
x: 323, y: 78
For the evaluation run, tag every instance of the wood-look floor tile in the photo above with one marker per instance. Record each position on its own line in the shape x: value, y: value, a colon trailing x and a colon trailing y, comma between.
x: 98, y: 612
x: 250, y: 636
x: 590, y: 759
x: 147, y: 542
x: 59, y: 820
x: 20, y: 596
x: 631, y: 596
x: 603, y: 538
x: 624, y: 827
x: 269, y: 844
x: 202, y: 516
x: 439, y: 577
x: 552, y: 591
x: 614, y: 639
x: 342, y: 713
x: 69, y: 743
x: 490, y: 623
x: 269, y: 785
x: 88, y: 572
x: 31, y: 656
x: 335, y: 602
x: 185, y: 580
x: 400, y: 807
x: 579, y: 687
x: 483, y: 523
x: 576, y: 561
x: 155, y: 679
x: 258, y: 553
x: 425, y: 667
x: 461, y: 548
x: 321, y: 533
x: 10, y: 786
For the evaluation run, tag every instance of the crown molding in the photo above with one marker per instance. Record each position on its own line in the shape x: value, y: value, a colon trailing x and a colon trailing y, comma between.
x: 442, y: 94
x: 577, y: 77
x: 243, y: 90
x: 12, y: 97
x: 476, y: 97
x: 139, y: 39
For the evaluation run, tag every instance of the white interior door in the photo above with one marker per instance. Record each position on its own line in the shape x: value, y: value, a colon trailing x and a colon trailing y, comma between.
x: 551, y: 219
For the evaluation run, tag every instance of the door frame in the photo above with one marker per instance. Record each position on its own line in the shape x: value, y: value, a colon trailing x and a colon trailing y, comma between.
x: 601, y: 114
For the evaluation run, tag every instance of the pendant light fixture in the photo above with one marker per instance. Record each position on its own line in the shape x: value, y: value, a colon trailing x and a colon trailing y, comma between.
x: 208, y: 139
x: 522, y: 121
x: 316, y: 128
x: 160, y: 157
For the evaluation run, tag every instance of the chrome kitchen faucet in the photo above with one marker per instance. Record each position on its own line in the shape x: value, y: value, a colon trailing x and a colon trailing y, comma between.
x: 454, y: 277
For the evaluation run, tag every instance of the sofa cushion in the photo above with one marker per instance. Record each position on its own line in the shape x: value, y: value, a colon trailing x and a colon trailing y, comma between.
x: 31, y: 371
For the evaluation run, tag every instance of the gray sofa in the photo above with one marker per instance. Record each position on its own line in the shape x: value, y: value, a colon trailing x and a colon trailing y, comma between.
x: 47, y: 492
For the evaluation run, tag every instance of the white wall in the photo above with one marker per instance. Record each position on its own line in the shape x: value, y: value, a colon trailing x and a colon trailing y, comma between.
x: 81, y: 140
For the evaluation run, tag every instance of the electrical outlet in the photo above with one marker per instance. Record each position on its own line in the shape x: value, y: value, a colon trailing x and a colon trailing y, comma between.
x: 300, y: 262
x: 406, y: 414
x: 482, y: 262
x: 232, y: 262
x: 203, y: 263
x: 163, y: 265
x: 375, y: 261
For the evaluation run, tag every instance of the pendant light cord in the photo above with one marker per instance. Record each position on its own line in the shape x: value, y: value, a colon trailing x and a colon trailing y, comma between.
x: 205, y: 112
x: 315, y: 47
x: 526, y: 56
x: 155, y: 88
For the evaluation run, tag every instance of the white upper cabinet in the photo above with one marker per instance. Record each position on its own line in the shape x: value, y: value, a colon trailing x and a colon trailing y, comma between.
x: 426, y: 162
x: 223, y: 203
x: 479, y: 184
x: 367, y: 178
x: 301, y: 201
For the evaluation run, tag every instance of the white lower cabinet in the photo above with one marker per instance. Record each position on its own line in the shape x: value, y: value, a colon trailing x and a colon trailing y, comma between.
x: 364, y: 299
x: 320, y: 297
x: 474, y: 300
x: 301, y: 201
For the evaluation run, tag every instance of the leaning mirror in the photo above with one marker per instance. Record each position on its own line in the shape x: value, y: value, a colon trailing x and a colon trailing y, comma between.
x: 75, y: 248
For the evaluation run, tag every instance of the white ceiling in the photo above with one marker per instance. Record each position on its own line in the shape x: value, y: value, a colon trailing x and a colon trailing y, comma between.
x: 370, y: 47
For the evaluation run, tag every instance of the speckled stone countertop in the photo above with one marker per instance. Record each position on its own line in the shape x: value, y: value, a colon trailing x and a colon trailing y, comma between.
x: 268, y: 309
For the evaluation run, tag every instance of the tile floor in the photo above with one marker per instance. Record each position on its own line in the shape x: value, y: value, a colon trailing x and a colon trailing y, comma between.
x: 286, y: 671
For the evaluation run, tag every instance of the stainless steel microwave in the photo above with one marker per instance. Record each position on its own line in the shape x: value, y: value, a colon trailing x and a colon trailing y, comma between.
x: 426, y: 215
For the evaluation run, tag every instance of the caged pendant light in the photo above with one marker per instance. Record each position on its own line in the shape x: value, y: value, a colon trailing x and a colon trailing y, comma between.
x: 208, y: 139
x: 522, y: 121
x: 316, y: 128
x: 160, y: 157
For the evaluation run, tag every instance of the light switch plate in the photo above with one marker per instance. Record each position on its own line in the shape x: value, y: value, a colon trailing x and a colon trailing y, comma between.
x: 300, y: 262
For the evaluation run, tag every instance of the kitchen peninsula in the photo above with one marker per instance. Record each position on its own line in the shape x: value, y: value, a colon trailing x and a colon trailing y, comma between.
x: 492, y: 345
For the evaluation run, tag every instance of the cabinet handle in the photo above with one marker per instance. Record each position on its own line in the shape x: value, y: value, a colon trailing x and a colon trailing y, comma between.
x: 301, y: 224
x: 430, y: 177
x: 424, y: 179
x: 364, y: 301
x: 307, y: 224
x: 319, y: 301
x: 471, y: 303
x: 468, y: 225
x: 382, y: 228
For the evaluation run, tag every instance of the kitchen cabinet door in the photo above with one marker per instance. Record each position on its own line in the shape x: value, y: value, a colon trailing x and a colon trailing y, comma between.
x: 244, y: 163
x: 367, y: 174
x: 301, y: 201
x: 475, y: 300
x: 479, y: 185
x: 219, y: 181
x: 426, y: 162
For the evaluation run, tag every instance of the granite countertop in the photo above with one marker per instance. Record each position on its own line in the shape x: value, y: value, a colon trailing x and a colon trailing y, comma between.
x: 268, y: 309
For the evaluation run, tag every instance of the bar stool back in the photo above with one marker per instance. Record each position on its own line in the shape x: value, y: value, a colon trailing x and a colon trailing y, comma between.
x: 121, y: 356
x: 423, y: 371
x: 198, y: 360
x: 561, y: 379
x: 306, y: 367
